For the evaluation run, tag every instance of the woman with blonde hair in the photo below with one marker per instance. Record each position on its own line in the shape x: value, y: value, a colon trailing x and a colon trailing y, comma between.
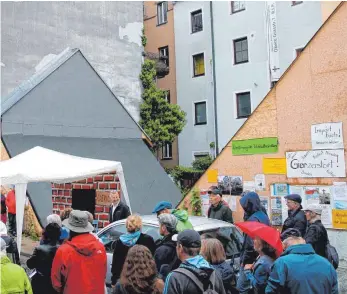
x: 213, y: 251
x: 133, y: 237
x: 139, y: 274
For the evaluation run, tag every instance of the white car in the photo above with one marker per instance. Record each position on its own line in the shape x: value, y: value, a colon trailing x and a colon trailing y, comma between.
x: 227, y: 233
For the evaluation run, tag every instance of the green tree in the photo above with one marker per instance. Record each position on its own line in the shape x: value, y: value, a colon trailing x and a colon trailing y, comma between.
x: 202, y: 163
x: 161, y: 120
x: 195, y: 202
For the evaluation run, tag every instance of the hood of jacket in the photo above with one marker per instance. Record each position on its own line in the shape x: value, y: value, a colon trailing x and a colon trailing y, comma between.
x: 180, y: 214
x: 167, y: 241
x: 85, y: 244
x: 200, y: 267
x: 4, y: 259
x: 303, y: 249
x: 251, y: 203
x: 224, y: 269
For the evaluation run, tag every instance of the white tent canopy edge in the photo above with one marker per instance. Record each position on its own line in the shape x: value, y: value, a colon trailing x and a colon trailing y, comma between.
x: 44, y: 165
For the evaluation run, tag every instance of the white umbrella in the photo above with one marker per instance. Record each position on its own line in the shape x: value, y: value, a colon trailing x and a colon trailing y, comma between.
x: 44, y: 165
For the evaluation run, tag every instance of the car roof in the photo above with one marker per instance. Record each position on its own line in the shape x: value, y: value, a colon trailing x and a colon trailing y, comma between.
x: 200, y: 223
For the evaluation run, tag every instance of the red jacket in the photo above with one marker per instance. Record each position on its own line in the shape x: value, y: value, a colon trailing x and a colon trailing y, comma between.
x: 79, y: 266
x: 11, y: 202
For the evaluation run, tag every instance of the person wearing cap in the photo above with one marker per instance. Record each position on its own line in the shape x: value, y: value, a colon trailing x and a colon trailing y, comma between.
x: 165, y: 254
x: 296, y: 216
x: 316, y: 234
x: 79, y: 265
x: 195, y: 274
x: 118, y: 210
x: 300, y: 270
x: 13, y: 277
x: 218, y: 210
x: 183, y: 222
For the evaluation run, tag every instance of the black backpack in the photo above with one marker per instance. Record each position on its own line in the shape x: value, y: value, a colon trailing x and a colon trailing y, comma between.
x: 332, y: 255
x: 194, y: 278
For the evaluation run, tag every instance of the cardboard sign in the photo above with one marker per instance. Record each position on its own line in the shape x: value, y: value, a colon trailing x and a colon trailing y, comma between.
x: 327, y: 136
x: 339, y: 219
x: 274, y: 166
x: 255, y: 146
x: 212, y: 176
x: 102, y: 198
x: 316, y: 164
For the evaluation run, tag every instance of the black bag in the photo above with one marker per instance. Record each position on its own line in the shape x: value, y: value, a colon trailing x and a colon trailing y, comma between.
x: 195, y: 279
x: 332, y: 255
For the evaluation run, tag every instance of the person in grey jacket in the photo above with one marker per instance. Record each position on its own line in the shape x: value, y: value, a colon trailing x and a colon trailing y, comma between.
x: 218, y: 210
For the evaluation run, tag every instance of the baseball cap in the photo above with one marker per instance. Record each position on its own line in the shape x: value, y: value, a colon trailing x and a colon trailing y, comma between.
x: 188, y: 238
x: 214, y: 190
x: 162, y: 205
x: 316, y: 208
x: 169, y: 220
x: 291, y: 232
x: 294, y: 197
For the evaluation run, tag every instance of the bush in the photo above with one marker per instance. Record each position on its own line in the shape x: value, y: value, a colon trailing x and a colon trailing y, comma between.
x: 202, y: 163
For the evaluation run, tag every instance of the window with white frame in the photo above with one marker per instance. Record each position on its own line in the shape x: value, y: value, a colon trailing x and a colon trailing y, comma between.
x: 166, y: 151
x: 196, y: 18
x: 162, y: 13
x: 237, y: 6
x: 241, y: 50
x: 200, y: 154
x: 200, y: 117
x: 243, y: 104
x: 164, y: 53
x: 198, y: 65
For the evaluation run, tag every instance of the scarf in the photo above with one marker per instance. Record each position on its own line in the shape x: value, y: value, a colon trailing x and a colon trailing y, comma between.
x: 130, y: 239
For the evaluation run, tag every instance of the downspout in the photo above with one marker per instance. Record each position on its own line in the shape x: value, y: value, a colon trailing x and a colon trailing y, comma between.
x: 214, y: 80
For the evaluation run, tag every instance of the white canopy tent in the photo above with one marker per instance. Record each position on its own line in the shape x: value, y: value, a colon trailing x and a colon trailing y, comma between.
x: 44, y: 165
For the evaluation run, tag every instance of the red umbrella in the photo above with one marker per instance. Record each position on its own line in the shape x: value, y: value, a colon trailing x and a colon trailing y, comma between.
x: 264, y: 232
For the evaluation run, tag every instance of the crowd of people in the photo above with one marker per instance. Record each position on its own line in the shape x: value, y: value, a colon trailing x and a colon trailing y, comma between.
x: 72, y: 259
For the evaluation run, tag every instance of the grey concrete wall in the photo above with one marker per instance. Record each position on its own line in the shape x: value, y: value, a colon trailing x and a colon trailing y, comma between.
x: 108, y: 33
x: 71, y: 102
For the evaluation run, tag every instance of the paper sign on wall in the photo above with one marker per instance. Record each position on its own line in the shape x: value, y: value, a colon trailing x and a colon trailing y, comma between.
x: 249, y: 186
x: 212, y: 176
x: 259, y: 180
x: 339, y: 219
x: 316, y: 164
x: 205, y: 202
x: 327, y: 136
x: 274, y: 166
x: 340, y: 191
x: 255, y: 146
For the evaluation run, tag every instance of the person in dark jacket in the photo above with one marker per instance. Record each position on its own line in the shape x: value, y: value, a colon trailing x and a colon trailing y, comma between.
x: 193, y: 266
x: 42, y: 260
x: 316, y: 234
x: 217, y: 209
x: 300, y: 270
x: 139, y: 274
x: 11, y: 245
x: 254, y: 277
x: 296, y: 218
x: 3, y: 208
x: 254, y: 211
x: 213, y: 251
x: 165, y: 254
x: 118, y: 210
x: 126, y: 241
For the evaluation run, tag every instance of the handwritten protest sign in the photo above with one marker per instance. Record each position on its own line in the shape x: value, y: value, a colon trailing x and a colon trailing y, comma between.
x: 316, y: 164
x: 327, y: 136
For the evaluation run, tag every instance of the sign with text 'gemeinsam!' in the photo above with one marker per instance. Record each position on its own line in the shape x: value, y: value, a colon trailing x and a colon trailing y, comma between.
x: 316, y: 164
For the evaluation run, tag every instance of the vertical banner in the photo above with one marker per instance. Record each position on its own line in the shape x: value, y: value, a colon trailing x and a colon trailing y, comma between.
x: 273, y: 44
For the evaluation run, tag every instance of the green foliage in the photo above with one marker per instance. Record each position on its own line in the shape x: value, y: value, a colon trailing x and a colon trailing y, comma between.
x: 161, y: 120
x: 143, y: 38
x: 202, y: 163
x: 195, y: 202
x: 212, y: 145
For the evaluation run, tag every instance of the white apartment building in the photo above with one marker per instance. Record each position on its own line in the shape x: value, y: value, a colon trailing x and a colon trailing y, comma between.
x: 228, y: 56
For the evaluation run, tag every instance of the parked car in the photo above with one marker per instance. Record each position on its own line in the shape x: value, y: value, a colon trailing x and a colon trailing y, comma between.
x: 227, y: 233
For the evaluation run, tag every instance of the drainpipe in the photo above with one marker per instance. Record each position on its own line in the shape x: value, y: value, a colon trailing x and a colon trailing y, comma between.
x: 214, y: 80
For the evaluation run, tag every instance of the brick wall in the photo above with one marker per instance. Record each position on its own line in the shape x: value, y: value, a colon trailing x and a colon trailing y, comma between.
x: 62, y: 194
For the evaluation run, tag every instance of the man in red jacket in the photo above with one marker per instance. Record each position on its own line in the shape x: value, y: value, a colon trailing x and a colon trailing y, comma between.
x: 79, y: 265
x: 11, y: 211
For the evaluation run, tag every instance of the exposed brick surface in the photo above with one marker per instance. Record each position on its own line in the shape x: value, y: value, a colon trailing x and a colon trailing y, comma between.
x: 90, y: 180
x: 109, y: 178
x: 67, y: 192
x: 106, y: 224
x: 113, y: 185
x: 87, y: 187
x: 54, y: 192
x: 107, y: 209
x: 98, y: 178
x: 99, y: 208
x: 75, y: 186
x: 103, y: 186
x: 68, y: 186
x: 103, y: 216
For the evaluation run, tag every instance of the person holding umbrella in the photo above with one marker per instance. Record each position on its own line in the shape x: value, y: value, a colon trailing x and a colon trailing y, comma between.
x: 267, y: 243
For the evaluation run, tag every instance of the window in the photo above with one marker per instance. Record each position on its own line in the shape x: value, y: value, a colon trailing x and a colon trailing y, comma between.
x: 162, y: 12
x: 296, y: 2
x: 243, y: 102
x: 199, y: 65
x: 166, y: 151
x: 201, y: 154
x: 200, y: 113
x: 240, y: 51
x: 164, y: 53
x: 237, y: 6
x: 167, y: 96
x: 196, y: 18
x: 299, y: 51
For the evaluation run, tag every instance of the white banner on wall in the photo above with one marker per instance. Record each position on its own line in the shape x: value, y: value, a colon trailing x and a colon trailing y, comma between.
x: 273, y: 41
x: 316, y: 164
x: 327, y: 136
